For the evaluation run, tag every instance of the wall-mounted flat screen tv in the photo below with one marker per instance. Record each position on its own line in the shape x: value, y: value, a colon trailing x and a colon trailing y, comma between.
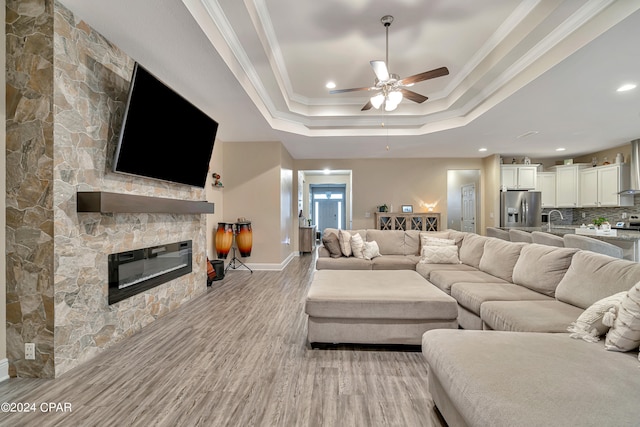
x: 163, y: 135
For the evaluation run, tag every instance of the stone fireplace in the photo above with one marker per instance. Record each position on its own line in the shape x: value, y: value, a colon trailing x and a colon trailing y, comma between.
x: 66, y: 92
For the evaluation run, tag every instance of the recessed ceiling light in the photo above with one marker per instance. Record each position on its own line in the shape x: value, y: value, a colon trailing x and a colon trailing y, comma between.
x: 327, y: 171
x: 330, y: 85
x: 482, y: 149
x: 560, y: 149
x: 626, y: 87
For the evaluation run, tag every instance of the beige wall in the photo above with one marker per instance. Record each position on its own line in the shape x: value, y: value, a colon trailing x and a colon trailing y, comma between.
x: 3, y: 136
x: 253, y: 190
x: 491, y: 193
x: 394, y: 182
x: 288, y: 203
x: 215, y: 196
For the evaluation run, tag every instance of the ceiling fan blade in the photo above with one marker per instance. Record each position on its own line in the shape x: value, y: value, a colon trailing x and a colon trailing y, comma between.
x: 349, y: 90
x: 438, y: 72
x: 380, y: 68
x: 415, y: 97
x: 367, y: 106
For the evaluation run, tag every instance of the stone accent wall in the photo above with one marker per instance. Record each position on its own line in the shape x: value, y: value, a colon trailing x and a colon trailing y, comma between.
x: 62, y: 304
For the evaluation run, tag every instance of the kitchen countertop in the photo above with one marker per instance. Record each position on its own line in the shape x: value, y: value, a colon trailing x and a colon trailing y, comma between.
x: 561, y: 230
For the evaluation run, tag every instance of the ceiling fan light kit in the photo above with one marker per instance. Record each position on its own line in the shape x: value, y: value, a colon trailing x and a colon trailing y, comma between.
x: 391, y: 89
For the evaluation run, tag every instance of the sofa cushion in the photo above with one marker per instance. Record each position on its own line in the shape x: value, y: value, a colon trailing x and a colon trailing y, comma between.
x: 589, y: 326
x: 395, y: 262
x: 542, y: 267
x: 440, y: 255
x: 390, y: 242
x: 425, y: 269
x: 331, y: 243
x: 499, y: 258
x: 524, y: 379
x: 412, y: 242
x: 357, y: 245
x: 444, y: 279
x: 432, y: 234
x: 529, y: 316
x: 624, y: 335
x: 472, y: 249
x: 472, y: 295
x: 343, y: 263
x: 592, y: 276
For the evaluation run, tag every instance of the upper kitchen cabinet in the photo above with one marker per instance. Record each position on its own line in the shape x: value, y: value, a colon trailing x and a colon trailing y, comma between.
x: 600, y: 186
x: 518, y: 177
x: 546, y: 184
x: 568, y: 185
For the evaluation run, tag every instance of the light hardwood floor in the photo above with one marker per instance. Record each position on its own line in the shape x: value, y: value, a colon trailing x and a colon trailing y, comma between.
x: 237, y: 356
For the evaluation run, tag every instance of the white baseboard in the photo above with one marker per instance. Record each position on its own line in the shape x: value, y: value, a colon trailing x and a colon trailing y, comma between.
x: 4, y: 370
x: 271, y: 266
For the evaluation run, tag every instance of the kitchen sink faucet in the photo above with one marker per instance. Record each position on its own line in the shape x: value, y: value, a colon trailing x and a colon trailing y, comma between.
x: 549, y: 220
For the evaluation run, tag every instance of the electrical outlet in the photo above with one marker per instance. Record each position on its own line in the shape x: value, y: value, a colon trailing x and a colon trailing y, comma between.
x: 29, y: 351
x: 624, y: 215
x: 584, y: 215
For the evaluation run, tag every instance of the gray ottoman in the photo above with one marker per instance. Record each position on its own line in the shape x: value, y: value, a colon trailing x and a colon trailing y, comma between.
x: 375, y: 307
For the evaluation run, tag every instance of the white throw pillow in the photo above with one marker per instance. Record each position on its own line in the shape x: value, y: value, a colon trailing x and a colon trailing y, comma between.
x: 357, y: 245
x: 589, y: 324
x: 436, y: 241
x: 624, y: 335
x: 440, y: 255
x: 371, y: 250
x: 345, y: 242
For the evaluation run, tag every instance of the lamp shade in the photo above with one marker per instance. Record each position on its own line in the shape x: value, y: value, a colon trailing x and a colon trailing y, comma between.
x: 389, y: 106
x: 395, y: 97
x: 377, y: 100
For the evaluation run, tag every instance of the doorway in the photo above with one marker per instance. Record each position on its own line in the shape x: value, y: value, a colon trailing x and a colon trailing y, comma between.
x: 327, y: 205
x: 463, y: 196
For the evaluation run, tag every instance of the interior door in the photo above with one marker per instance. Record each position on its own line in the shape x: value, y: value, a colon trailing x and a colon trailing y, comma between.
x: 468, y: 219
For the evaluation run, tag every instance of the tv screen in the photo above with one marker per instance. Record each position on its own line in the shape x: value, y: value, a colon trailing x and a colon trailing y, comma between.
x: 163, y: 135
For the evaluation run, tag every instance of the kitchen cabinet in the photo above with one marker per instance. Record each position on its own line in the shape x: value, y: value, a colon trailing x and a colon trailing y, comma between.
x: 518, y: 177
x: 568, y: 185
x: 599, y: 186
x: 546, y: 184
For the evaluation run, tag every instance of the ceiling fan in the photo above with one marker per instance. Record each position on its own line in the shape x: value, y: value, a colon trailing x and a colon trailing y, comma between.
x: 390, y: 88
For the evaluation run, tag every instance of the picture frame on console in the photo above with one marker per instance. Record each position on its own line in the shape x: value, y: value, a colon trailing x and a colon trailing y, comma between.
x: 407, y: 208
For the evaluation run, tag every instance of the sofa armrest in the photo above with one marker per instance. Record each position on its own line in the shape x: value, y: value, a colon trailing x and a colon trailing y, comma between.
x: 323, y: 252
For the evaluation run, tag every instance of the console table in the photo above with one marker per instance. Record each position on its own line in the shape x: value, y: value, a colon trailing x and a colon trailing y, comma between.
x: 307, y: 239
x: 408, y: 221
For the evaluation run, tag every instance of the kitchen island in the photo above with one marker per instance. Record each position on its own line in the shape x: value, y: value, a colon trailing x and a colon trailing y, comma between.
x: 628, y: 240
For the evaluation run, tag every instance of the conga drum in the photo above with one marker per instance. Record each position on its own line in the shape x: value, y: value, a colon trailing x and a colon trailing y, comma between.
x: 244, y: 238
x: 224, y: 239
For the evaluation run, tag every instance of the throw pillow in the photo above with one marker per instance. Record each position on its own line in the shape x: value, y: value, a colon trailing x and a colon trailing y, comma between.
x: 345, y: 242
x: 330, y: 241
x: 589, y: 324
x: 435, y: 241
x: 440, y: 255
x: 370, y: 250
x: 624, y: 335
x: 357, y: 245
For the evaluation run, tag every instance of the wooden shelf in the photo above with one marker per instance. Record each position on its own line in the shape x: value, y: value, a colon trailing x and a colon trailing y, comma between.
x: 104, y: 202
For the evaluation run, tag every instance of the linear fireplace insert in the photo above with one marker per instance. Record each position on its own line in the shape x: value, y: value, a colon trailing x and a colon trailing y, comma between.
x: 136, y: 271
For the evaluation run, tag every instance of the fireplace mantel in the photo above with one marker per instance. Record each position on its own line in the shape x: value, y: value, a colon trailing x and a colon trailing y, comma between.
x: 105, y: 202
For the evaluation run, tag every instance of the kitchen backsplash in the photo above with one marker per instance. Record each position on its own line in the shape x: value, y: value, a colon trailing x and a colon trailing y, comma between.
x: 613, y: 215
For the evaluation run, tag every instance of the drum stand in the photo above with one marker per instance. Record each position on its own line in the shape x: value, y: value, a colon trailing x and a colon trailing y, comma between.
x: 234, y: 260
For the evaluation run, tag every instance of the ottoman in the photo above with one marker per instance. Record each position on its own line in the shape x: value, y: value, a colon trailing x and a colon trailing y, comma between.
x: 375, y: 307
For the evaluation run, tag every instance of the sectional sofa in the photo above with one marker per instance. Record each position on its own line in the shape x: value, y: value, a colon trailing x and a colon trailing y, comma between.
x: 515, y: 363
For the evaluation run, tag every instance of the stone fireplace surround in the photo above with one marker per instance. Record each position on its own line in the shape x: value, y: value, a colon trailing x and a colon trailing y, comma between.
x: 66, y: 91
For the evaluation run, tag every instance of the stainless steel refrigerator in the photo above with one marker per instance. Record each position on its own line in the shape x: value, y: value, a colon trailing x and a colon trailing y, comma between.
x: 520, y: 209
